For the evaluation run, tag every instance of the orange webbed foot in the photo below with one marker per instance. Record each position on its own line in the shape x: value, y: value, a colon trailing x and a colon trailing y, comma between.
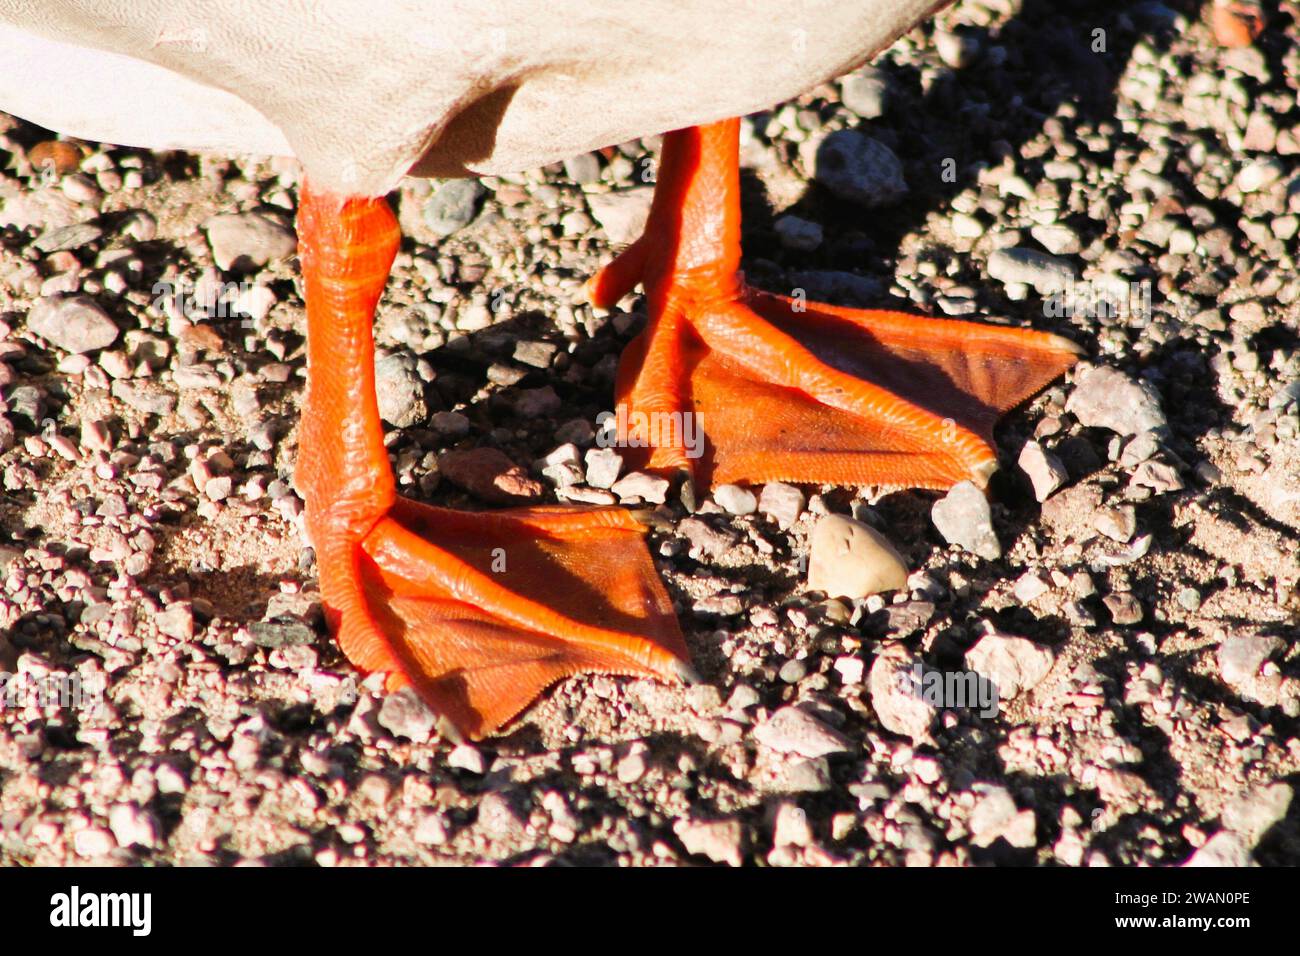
x: 786, y: 389
x: 480, y: 613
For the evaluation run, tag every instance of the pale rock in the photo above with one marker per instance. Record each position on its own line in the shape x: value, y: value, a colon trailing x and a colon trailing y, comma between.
x: 1014, y: 664
x: 851, y: 559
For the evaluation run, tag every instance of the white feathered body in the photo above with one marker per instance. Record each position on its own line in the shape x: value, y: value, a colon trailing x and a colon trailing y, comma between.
x: 366, y: 91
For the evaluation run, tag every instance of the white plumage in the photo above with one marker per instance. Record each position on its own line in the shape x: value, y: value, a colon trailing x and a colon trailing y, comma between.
x: 366, y: 91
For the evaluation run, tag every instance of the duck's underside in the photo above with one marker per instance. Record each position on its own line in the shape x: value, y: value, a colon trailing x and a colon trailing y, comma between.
x: 365, y: 92
x: 480, y: 612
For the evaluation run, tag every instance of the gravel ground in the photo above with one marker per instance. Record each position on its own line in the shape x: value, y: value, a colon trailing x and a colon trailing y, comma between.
x: 1130, y: 591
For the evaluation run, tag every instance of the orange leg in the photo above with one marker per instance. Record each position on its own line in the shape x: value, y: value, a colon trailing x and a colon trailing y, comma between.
x: 478, y: 612
x: 786, y: 389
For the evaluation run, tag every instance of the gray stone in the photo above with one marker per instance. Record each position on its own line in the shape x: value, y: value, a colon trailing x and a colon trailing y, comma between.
x: 1046, y: 273
x: 1242, y: 655
x: 453, y: 206
x: 144, y: 398
x: 1224, y: 849
x: 464, y: 757
x: 133, y: 826
x: 498, y: 817
x: 963, y: 518
x: 1139, y: 448
x: 895, y: 696
x: 1262, y: 172
x: 957, y: 50
x: 790, y: 826
x: 404, y: 714
x: 400, y: 391
x: 28, y: 401
x: 907, y: 618
x: 782, y: 503
x: 1030, y: 586
x: 638, y: 484
x: 450, y: 424
x: 1105, y: 397
x: 632, y: 766
x: 622, y: 214
x: 68, y: 237
x: 249, y: 240
x: 432, y: 829
x: 177, y: 621
x: 536, y: 354
x: 722, y: 841
x: 74, y: 323
x: 282, y: 632
x: 1046, y: 472
x: 534, y: 403
x: 93, y: 842
x: 866, y: 93
x: 1253, y: 814
x: 584, y: 168
x: 856, y: 168
x: 1014, y: 664
x: 1124, y: 608
x: 735, y: 500
x: 586, y: 496
x: 718, y: 605
x: 798, y: 234
x: 1118, y: 524
x: 576, y: 430
x: 1159, y: 476
x: 792, y: 730
x: 793, y: 671
x: 995, y: 816
x: 1058, y: 239
x: 603, y: 466
x: 705, y: 540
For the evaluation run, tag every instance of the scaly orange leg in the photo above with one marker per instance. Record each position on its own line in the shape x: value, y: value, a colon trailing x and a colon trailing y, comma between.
x: 786, y: 389
x: 478, y: 612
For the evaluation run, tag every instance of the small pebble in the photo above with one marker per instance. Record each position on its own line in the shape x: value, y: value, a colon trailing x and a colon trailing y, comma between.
x: 453, y: 206
x: 782, y: 503
x: 1014, y: 664
x: 404, y: 714
x: 721, y: 841
x: 798, y: 234
x: 964, y: 518
x: 639, y: 485
x: 1046, y: 472
x: 865, y: 93
x: 735, y: 500
x: 1107, y: 398
x: 1045, y: 273
x: 246, y: 241
x: 851, y: 559
x: 488, y: 474
x: 792, y: 730
x: 74, y: 323
x: 856, y: 168
x: 603, y: 467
